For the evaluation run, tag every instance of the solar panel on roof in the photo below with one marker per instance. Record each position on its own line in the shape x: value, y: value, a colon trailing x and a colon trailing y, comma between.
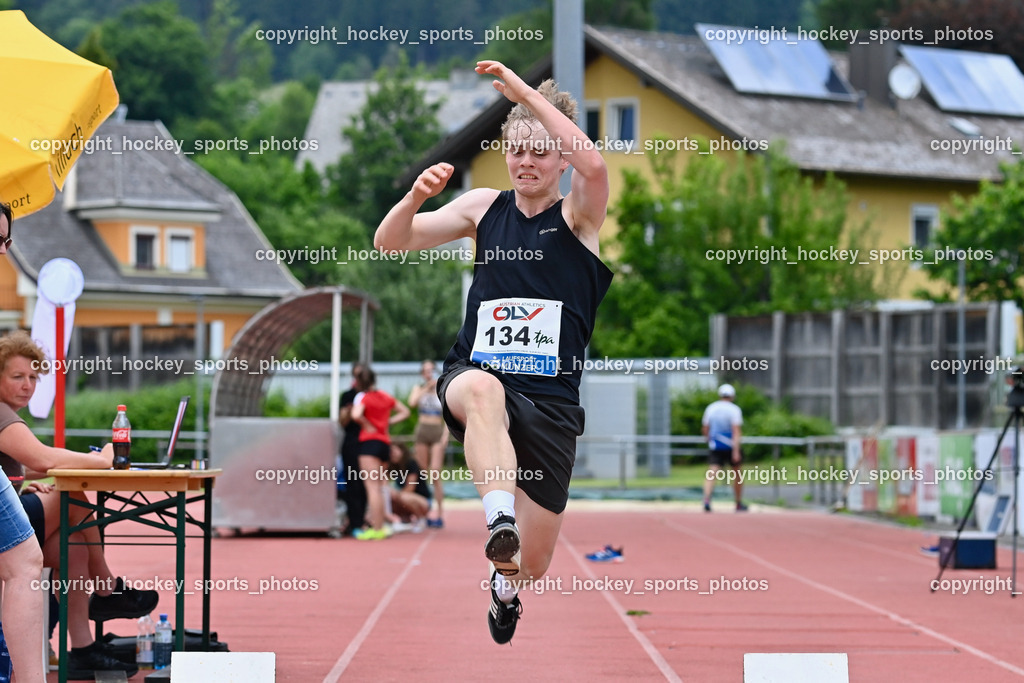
x: 790, y: 66
x: 972, y: 82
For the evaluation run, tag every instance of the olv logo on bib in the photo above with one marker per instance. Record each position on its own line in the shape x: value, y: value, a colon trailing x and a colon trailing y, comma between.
x: 518, y: 336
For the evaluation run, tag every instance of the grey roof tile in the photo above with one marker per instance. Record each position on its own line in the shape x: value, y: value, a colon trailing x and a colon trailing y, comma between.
x: 872, y: 138
x: 156, y: 179
x: 869, y: 138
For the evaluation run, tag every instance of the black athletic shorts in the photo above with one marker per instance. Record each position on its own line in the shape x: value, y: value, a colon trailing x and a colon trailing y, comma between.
x: 376, y: 448
x: 36, y: 517
x: 723, y: 458
x: 543, y: 430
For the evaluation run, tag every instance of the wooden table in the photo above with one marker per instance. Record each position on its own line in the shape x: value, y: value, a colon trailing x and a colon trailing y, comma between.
x: 121, y: 495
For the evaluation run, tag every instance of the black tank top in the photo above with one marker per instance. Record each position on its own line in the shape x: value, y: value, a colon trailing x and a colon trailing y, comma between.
x: 536, y: 258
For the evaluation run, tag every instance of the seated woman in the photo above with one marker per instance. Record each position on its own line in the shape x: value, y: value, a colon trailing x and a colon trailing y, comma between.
x: 410, y: 496
x: 20, y: 450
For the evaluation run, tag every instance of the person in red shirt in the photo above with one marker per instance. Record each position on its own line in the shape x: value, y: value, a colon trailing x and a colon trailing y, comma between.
x: 375, y: 411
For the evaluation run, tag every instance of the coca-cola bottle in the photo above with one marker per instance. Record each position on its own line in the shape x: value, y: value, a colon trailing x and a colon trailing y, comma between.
x: 122, y: 440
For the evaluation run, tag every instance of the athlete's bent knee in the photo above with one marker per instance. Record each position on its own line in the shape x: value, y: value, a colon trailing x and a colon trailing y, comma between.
x: 535, y: 567
x: 476, y: 392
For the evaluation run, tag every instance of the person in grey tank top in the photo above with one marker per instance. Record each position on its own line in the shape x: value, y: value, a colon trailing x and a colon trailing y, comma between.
x: 431, y: 438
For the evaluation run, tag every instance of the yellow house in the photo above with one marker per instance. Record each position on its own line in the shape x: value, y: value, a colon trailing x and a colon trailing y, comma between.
x: 901, y: 160
x: 157, y: 239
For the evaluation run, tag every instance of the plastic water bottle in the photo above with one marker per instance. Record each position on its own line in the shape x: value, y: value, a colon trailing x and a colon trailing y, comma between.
x: 162, y: 643
x: 122, y: 439
x: 144, y: 643
x: 5, y: 659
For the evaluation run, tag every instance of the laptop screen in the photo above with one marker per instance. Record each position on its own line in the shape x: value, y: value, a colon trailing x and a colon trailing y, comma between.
x: 176, y: 429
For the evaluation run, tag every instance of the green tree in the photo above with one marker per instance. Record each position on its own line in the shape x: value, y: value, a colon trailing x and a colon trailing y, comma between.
x: 288, y: 206
x: 420, y: 304
x: 986, y: 231
x: 851, y: 14
x: 162, y: 62
x: 680, y: 17
x: 393, y: 129
x: 672, y: 270
x: 92, y: 49
x: 281, y: 120
x: 235, y: 51
x: 420, y: 307
x: 992, y: 26
x: 519, y: 54
x: 635, y: 14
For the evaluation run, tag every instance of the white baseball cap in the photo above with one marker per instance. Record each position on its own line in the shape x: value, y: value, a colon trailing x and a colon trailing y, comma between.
x: 727, y: 390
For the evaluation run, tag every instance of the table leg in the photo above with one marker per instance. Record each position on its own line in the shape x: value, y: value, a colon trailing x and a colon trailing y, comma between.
x: 101, y: 507
x: 179, y: 596
x: 62, y: 575
x: 207, y: 543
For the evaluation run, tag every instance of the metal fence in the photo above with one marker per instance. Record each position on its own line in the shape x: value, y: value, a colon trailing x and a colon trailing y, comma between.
x: 861, y: 368
x: 824, y: 453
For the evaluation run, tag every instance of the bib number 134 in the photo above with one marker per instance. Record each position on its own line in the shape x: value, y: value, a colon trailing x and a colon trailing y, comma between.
x: 505, y: 338
x: 518, y: 336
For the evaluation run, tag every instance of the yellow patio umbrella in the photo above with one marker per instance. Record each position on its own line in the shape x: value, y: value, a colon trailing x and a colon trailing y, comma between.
x: 52, y: 102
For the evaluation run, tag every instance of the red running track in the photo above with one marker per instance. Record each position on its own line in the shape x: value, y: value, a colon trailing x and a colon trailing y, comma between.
x: 412, y: 607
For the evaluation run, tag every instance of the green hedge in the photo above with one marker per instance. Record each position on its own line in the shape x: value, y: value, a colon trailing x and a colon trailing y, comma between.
x: 276, y: 405
x: 153, y: 407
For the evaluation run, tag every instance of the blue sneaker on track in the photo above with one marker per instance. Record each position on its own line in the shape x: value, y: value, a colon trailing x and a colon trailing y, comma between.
x: 606, y: 554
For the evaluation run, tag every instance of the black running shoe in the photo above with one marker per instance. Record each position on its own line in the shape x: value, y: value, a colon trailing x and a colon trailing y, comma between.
x: 502, y: 618
x: 122, y: 603
x: 84, y: 662
x: 121, y: 654
x: 502, y: 547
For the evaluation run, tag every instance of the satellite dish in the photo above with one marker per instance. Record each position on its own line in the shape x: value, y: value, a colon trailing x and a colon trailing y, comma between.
x: 904, y: 82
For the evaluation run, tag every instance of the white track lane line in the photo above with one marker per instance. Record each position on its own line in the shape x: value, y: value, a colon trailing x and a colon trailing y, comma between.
x: 849, y: 598
x: 648, y: 647
x: 353, y: 647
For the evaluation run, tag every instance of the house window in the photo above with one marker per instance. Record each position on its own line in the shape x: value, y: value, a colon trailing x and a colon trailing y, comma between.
x: 923, y: 222
x: 179, y: 253
x: 592, y: 125
x: 144, y: 254
x: 622, y: 119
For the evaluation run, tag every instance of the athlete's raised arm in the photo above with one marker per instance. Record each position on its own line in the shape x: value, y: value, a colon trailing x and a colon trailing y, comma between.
x: 405, y: 228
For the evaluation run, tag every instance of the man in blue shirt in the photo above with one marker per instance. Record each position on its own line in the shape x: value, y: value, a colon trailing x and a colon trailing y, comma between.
x: 721, y: 426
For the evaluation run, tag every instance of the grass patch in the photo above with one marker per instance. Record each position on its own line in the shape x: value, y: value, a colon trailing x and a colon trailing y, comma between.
x: 907, y: 520
x: 693, y: 475
x: 690, y: 475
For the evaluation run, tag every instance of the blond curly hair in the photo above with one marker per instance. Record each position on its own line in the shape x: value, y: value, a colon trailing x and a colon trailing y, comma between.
x: 522, y: 116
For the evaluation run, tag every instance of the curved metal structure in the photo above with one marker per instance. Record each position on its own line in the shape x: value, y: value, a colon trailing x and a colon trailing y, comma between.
x: 239, y: 388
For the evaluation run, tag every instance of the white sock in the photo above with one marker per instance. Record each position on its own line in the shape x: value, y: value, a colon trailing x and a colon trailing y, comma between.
x: 497, y: 503
x: 504, y: 588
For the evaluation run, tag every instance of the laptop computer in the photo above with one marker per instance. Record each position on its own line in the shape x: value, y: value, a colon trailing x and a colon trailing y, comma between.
x: 165, y: 462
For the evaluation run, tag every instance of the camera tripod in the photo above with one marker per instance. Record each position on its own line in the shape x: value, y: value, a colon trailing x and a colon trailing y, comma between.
x: 1015, y: 401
